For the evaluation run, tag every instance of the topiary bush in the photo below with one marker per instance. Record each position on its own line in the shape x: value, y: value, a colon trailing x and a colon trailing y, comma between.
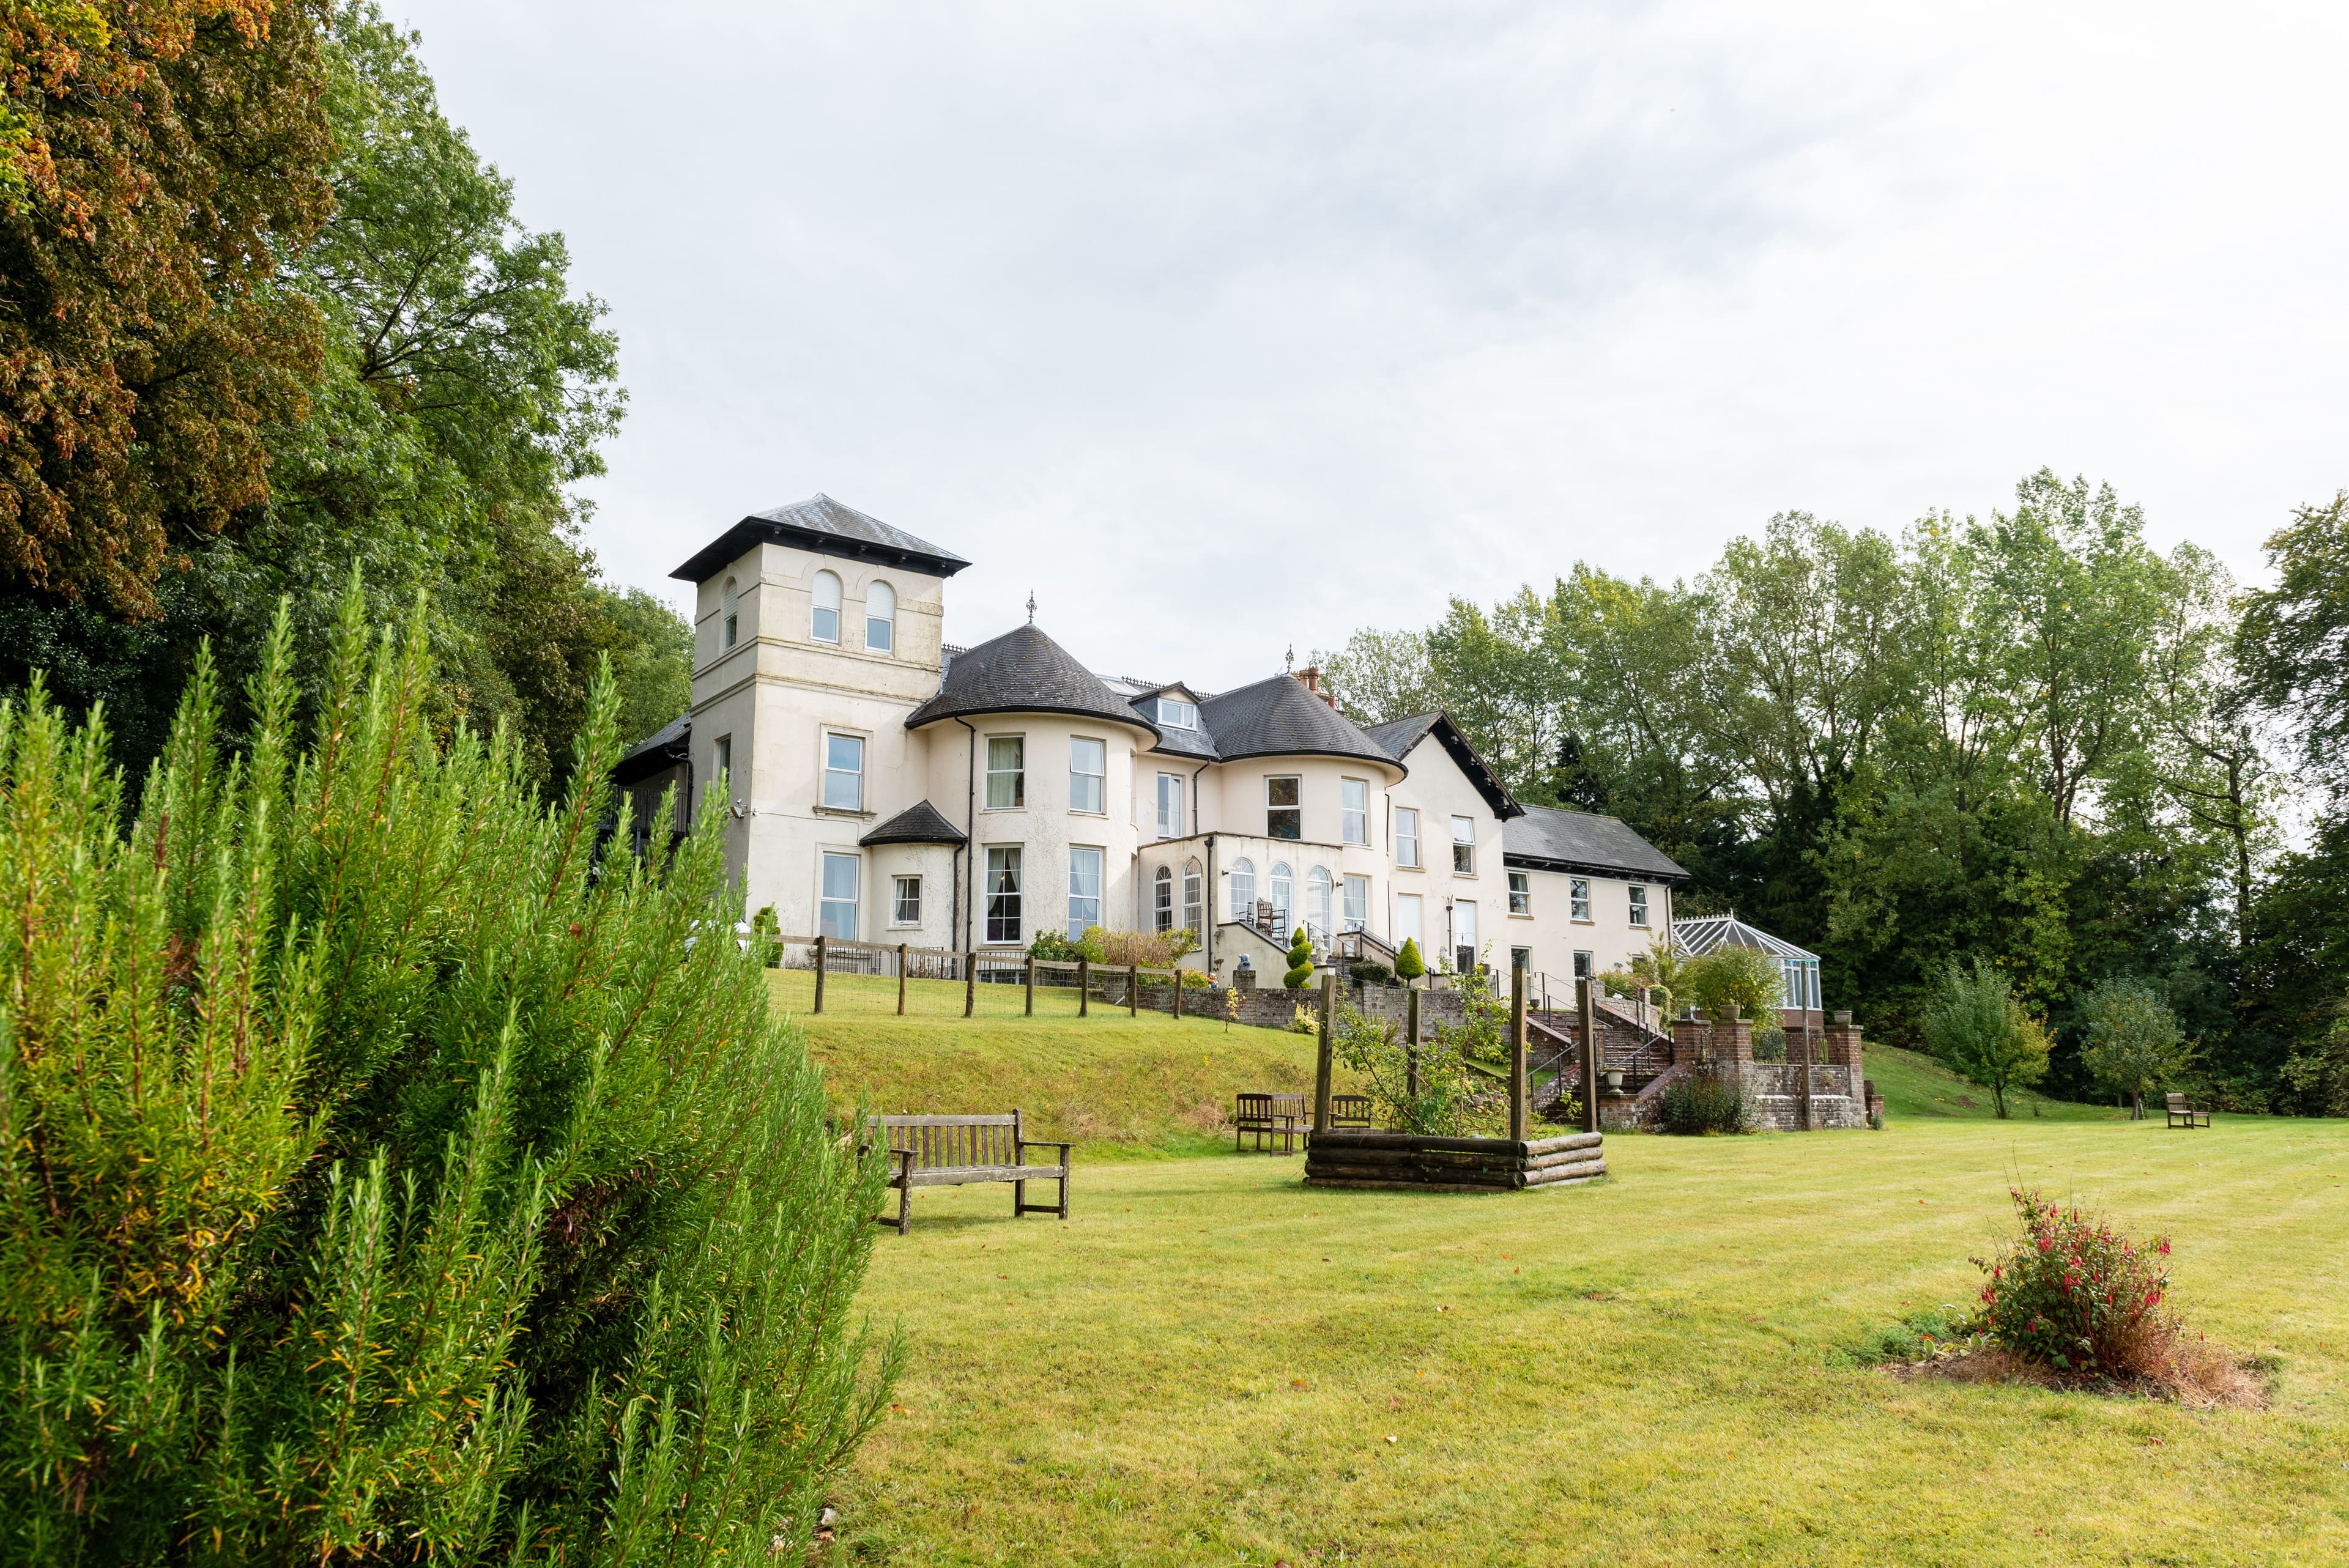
x: 1409, y: 965
x: 390, y: 1175
x: 2072, y: 1293
x: 1371, y: 972
x: 1300, y: 961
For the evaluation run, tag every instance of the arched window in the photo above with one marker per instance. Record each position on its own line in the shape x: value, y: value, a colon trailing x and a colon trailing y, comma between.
x: 826, y: 619
x: 881, y: 618
x: 1280, y: 898
x: 726, y: 630
x: 1162, y: 900
x: 1244, y: 890
x: 1194, y: 909
x: 1317, y: 903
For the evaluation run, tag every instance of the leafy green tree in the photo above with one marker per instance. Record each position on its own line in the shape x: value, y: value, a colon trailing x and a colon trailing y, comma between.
x: 1300, y: 961
x: 1973, y: 1022
x: 1744, y: 978
x: 2133, y: 1039
x: 1409, y: 965
x: 384, y: 1169
x: 2294, y: 637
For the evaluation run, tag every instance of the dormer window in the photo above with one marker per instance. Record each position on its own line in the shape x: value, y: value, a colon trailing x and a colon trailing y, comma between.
x: 824, y: 623
x: 880, y: 618
x: 727, y: 629
x: 1177, y: 714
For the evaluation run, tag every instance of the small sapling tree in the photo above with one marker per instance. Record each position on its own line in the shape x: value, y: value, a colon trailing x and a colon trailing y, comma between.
x: 2133, y: 1039
x: 1973, y: 1022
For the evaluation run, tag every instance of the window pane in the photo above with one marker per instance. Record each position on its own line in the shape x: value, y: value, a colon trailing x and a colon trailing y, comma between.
x: 880, y: 618
x: 909, y: 900
x: 1578, y: 898
x: 1283, y: 817
x: 1407, y: 921
x: 824, y: 614
x: 1639, y: 906
x: 837, y: 914
x: 1353, y: 811
x: 1357, y: 903
x: 1317, y: 903
x: 843, y: 772
x: 1170, y: 806
x: 1463, y: 846
x: 1003, y: 894
x: 1407, y: 838
x: 729, y: 630
x: 1007, y: 776
x: 1084, y: 890
x: 1162, y: 901
x: 1280, y: 890
x: 1521, y: 894
x: 879, y: 635
x: 1244, y: 889
x: 1088, y: 771
x: 1194, y: 900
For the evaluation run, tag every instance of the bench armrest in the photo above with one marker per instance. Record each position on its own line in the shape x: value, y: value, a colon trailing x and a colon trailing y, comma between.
x: 1042, y: 1143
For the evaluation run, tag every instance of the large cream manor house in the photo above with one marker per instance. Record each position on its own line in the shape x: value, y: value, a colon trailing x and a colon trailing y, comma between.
x: 884, y: 787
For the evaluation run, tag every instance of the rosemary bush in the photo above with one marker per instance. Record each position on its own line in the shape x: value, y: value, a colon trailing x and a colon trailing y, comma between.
x: 387, y: 1177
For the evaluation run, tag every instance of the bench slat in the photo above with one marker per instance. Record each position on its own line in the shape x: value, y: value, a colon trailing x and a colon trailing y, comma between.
x: 956, y: 1175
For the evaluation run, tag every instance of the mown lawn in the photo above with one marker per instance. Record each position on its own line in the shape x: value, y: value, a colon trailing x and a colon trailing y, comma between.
x: 1209, y: 1364
x: 1121, y: 1087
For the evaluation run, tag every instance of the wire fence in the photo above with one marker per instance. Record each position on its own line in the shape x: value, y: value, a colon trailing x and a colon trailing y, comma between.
x: 828, y: 976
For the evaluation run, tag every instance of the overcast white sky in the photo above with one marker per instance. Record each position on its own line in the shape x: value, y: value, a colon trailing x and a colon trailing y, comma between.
x: 1225, y: 326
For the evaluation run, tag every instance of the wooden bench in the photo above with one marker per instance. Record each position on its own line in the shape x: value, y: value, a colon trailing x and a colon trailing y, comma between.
x: 1350, y: 1110
x: 954, y: 1150
x: 2183, y: 1115
x: 1279, y: 1116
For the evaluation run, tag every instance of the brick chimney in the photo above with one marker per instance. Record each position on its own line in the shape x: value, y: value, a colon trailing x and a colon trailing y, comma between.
x: 1311, y: 675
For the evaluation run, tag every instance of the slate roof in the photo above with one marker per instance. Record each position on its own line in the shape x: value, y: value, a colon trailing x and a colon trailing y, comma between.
x: 1023, y: 671
x: 664, y: 749
x: 1276, y: 716
x: 822, y: 524
x: 919, y: 823
x: 1546, y: 838
x: 1401, y: 735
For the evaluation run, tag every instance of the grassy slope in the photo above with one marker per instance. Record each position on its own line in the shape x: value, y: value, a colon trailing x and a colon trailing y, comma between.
x: 1118, y: 1086
x: 1915, y: 1085
x: 1204, y: 1363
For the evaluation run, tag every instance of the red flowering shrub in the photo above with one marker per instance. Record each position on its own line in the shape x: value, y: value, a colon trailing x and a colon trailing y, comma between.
x: 2072, y: 1293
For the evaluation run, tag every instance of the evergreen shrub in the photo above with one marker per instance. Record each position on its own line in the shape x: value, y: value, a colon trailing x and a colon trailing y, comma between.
x: 1409, y: 965
x: 1300, y: 961
x: 389, y: 1175
x: 1698, y: 1103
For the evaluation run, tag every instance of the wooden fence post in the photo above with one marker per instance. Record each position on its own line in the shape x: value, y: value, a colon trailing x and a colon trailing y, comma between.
x: 1084, y: 987
x: 969, y: 984
x: 1411, y: 1044
x: 1322, y: 1057
x: 819, y: 972
x: 1518, y: 1052
x: 1177, y: 978
x: 901, y: 979
x: 1134, y: 990
x: 1031, y: 985
x: 1586, y: 1001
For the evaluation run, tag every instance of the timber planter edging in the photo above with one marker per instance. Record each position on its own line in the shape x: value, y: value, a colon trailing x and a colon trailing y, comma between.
x: 1352, y: 1158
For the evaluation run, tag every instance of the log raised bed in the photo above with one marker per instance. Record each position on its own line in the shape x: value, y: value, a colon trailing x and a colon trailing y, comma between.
x: 1395, y: 1160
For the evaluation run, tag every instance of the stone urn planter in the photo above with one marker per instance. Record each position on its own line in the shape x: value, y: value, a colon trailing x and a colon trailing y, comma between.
x: 1613, y: 1078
